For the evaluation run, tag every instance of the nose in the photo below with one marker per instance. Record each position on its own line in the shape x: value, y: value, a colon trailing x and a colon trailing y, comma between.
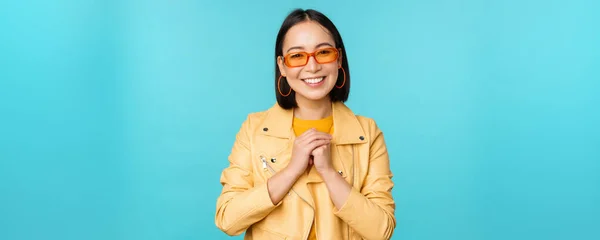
x: 312, y: 65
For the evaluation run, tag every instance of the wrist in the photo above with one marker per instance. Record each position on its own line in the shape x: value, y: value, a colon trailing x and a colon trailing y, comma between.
x: 328, y: 173
x: 292, y: 171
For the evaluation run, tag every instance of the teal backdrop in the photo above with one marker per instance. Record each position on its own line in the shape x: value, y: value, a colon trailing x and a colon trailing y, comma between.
x: 117, y: 117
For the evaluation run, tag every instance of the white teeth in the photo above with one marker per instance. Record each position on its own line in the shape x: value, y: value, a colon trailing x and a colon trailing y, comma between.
x: 313, y: 80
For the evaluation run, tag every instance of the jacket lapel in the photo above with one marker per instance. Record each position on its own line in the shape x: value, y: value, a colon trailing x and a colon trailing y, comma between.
x: 278, y: 122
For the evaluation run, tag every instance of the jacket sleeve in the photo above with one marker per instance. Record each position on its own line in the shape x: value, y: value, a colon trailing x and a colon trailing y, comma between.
x: 241, y: 203
x: 370, y: 210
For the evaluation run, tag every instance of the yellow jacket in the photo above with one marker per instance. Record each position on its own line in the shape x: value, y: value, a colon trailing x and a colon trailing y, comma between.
x: 263, y: 146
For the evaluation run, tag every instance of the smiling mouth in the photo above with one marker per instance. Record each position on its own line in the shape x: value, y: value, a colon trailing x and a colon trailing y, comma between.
x: 313, y: 80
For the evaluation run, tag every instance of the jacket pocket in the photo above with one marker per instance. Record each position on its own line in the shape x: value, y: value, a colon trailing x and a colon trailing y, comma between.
x: 268, y: 164
x: 276, y: 151
x: 261, y: 233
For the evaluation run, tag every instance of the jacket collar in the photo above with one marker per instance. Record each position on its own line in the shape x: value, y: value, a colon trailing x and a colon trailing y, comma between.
x: 347, y: 128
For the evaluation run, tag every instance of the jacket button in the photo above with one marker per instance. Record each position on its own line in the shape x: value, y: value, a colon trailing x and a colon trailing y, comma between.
x: 361, y: 138
x: 265, y: 129
x: 273, y: 160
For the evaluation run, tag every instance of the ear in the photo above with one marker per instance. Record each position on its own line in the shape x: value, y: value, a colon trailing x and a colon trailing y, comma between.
x: 281, y: 66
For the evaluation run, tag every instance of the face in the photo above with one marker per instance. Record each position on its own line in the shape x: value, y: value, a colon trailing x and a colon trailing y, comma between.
x: 314, y: 80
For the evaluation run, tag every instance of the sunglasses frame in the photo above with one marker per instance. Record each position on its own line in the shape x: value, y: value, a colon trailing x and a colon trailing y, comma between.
x: 336, y: 50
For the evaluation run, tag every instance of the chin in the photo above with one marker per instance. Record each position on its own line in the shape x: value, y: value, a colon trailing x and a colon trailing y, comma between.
x: 314, y: 96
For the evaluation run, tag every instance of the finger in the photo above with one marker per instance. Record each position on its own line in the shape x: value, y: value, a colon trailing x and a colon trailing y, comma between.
x: 320, y: 149
x: 319, y: 136
x: 317, y: 143
x: 314, y: 135
x: 305, y: 134
x: 309, y: 131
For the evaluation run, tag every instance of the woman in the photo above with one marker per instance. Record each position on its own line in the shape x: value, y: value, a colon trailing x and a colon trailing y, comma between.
x: 308, y: 168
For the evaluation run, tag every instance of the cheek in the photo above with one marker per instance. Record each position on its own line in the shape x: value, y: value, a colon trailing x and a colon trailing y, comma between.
x: 293, y: 73
x: 333, y: 74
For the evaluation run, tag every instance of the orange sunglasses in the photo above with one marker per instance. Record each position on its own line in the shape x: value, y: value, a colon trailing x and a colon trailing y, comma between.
x: 298, y: 59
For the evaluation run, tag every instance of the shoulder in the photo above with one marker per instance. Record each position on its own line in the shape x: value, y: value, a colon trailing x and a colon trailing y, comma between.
x: 275, y: 115
x: 348, y: 115
x: 258, y: 119
x: 366, y: 121
x: 254, y: 119
x: 369, y: 125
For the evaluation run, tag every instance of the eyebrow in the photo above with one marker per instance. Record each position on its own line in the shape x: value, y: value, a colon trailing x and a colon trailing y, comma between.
x: 302, y: 48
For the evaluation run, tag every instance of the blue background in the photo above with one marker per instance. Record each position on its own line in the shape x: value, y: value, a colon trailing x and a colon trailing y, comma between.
x: 117, y: 117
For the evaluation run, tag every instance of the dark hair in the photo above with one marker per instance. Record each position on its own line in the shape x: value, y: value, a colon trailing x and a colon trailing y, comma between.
x: 298, y: 16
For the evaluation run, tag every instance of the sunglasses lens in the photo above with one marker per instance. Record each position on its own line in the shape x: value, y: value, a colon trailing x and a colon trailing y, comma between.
x: 296, y: 59
x: 326, y: 55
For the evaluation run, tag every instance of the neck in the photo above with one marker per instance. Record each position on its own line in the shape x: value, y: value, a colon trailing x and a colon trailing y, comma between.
x: 313, y: 109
